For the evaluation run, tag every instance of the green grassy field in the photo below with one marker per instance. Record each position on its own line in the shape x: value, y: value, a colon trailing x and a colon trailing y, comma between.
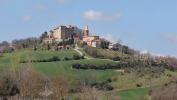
x: 129, y: 94
x: 125, y: 85
x: 56, y: 68
x: 64, y: 68
x: 133, y: 94
x: 9, y: 59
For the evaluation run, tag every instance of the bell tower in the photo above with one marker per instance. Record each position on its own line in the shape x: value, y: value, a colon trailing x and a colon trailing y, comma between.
x: 86, y: 31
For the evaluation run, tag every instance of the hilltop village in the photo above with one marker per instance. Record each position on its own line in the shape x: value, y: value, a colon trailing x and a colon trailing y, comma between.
x: 65, y: 37
x: 66, y: 33
x: 68, y: 63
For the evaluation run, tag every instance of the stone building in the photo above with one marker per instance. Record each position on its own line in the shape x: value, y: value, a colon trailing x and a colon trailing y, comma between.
x: 86, y: 31
x: 93, y: 41
x: 72, y: 32
x: 63, y: 33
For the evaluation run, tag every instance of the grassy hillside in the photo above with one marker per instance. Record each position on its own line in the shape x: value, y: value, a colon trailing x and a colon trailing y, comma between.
x: 133, y: 94
x: 55, y: 68
x: 64, y: 67
x: 27, y: 54
x: 125, y: 85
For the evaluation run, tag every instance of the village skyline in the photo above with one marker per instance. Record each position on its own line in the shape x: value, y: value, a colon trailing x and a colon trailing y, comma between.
x: 143, y: 25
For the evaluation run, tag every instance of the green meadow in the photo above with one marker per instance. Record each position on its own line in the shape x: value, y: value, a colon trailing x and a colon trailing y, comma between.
x: 125, y: 84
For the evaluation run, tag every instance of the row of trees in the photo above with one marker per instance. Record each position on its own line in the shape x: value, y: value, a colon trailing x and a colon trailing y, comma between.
x: 4, y: 43
x: 35, y: 43
x: 100, y: 53
x: 170, y: 61
x: 108, y: 54
x: 5, y: 47
x: 54, y: 58
x: 31, y: 42
x: 100, y: 67
x: 124, y: 49
x: 26, y: 43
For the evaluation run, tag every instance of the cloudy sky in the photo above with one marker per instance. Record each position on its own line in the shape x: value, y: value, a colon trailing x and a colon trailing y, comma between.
x: 146, y: 25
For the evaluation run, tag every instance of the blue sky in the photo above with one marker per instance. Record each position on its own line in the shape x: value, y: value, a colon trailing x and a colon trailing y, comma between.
x: 146, y: 25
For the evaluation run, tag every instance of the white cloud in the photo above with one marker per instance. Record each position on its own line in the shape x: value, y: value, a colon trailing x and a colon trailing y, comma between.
x: 144, y: 52
x: 92, y: 15
x: 41, y: 7
x: 171, y: 37
x: 109, y: 37
x: 26, y: 18
x: 97, y: 15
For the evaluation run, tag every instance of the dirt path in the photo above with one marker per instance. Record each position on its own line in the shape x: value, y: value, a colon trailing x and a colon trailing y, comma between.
x: 81, y: 54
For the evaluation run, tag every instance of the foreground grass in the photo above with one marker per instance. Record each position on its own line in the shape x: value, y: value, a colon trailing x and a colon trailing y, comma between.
x: 133, y: 94
x: 128, y: 94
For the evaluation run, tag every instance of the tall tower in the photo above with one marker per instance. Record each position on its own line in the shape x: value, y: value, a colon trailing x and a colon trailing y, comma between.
x: 86, y: 31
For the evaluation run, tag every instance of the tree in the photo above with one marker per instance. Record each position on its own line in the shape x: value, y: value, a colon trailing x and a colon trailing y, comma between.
x: 26, y: 43
x: 116, y: 46
x: 76, y: 57
x: 43, y: 36
x: 125, y: 49
x: 48, y: 47
x: 89, y: 93
x: 4, y: 43
x: 35, y: 48
x: 167, y: 92
x: 8, y: 84
x: 60, y: 87
x: 104, y: 45
x: 31, y: 83
x: 120, y: 47
x: 8, y: 50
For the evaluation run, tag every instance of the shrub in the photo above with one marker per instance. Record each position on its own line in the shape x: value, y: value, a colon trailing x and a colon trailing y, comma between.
x: 77, y: 66
x: 139, y: 85
x: 8, y: 84
x: 109, y: 80
x: 1, y: 55
x: 76, y: 57
x: 165, y: 93
x: 55, y: 58
x: 66, y: 58
x: 169, y: 75
x: 103, y: 86
x: 117, y: 58
x: 8, y: 50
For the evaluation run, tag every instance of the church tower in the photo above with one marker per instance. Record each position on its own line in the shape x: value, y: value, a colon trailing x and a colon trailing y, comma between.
x: 86, y: 31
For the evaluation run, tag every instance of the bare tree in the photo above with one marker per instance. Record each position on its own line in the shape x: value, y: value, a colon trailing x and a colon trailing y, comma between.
x: 31, y: 83
x: 89, y: 93
x: 60, y: 87
x: 165, y: 93
x: 8, y: 84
